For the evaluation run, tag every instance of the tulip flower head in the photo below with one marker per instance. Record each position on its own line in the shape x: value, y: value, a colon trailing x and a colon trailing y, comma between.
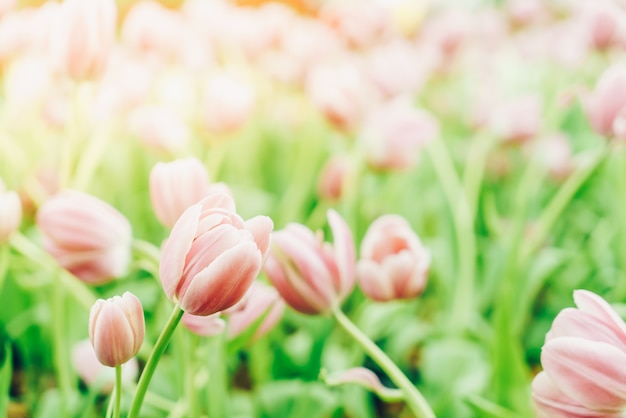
x: 312, y: 276
x: 204, y: 326
x: 212, y: 256
x: 10, y: 213
x: 606, y: 101
x: 87, y: 236
x: 582, y: 359
x: 261, y: 301
x: 116, y: 329
x: 394, y: 264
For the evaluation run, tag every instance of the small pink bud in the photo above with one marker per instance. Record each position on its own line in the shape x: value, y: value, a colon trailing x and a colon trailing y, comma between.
x: 116, y: 329
x: 83, y: 37
x: 579, y: 358
x: 393, y: 264
x: 228, y: 103
x: 260, y: 301
x: 331, y: 181
x: 312, y: 276
x: 205, y: 326
x: 87, y: 236
x: 212, y: 257
x: 93, y: 372
x: 175, y: 186
x: 607, y: 100
x: 10, y: 213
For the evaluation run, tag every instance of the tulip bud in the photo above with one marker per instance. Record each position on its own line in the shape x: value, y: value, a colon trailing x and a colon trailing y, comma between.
x: 10, y: 213
x: 260, y: 301
x: 393, y: 264
x: 312, y: 276
x: 579, y: 357
x: 116, y: 329
x: 159, y: 128
x: 331, y: 181
x: 212, y: 256
x: 93, y: 372
x: 228, y: 103
x: 205, y: 326
x: 606, y: 101
x: 87, y: 236
x: 176, y: 185
x: 84, y: 37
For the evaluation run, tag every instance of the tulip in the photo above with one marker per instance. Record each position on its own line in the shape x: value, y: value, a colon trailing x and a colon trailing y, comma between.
x: 87, y: 236
x: 84, y: 37
x: 393, y: 264
x: 579, y: 357
x: 212, y: 256
x: 10, y: 213
x: 176, y: 185
x: 228, y: 103
x: 331, y: 180
x: 205, y: 326
x: 116, y: 329
x: 261, y: 301
x: 518, y: 119
x: 159, y: 128
x: 92, y: 372
x: 607, y: 100
x: 312, y: 276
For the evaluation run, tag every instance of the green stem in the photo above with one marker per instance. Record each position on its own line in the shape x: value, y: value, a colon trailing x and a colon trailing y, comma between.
x: 118, y: 391
x: 413, y: 398
x: 150, y: 253
x: 4, y: 264
x: 217, y: 393
x: 60, y: 349
x: 190, y: 375
x: 153, y: 360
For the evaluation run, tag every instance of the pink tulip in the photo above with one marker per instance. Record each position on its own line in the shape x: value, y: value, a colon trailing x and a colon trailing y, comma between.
x: 579, y: 359
x: 608, y: 98
x: 175, y: 186
x: 394, y: 264
x: 360, y: 24
x: 83, y: 37
x: 116, y: 329
x: 10, y: 213
x: 159, y: 128
x: 87, y: 236
x: 94, y: 373
x: 554, y: 152
x: 261, y: 301
x: 394, y: 133
x: 228, y: 103
x: 331, y: 180
x: 204, y: 326
x: 212, y: 256
x: 312, y: 276
x: 518, y: 119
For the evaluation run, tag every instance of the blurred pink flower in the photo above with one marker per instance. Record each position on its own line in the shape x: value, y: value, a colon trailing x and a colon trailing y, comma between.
x: 228, y: 103
x: 92, y: 372
x: 394, y: 264
x: 555, y: 154
x: 312, y: 276
x: 159, y: 128
x: 204, y: 326
x: 605, y: 22
x: 607, y: 100
x: 261, y: 300
x: 83, y: 37
x: 360, y: 24
x: 86, y: 235
x: 331, y: 181
x: 579, y: 358
x: 116, y: 329
x: 10, y: 213
x: 393, y: 134
x: 518, y: 119
x: 212, y: 256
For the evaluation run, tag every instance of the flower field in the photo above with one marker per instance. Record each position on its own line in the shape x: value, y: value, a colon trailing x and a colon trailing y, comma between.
x: 346, y: 209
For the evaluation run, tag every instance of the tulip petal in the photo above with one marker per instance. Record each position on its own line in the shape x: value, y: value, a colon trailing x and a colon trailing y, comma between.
x: 594, y: 305
x: 176, y: 248
x: 261, y: 228
x: 113, y: 337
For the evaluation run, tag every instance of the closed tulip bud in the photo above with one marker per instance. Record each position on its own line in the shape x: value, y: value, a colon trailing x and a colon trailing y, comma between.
x: 84, y: 37
x: 261, y: 301
x: 579, y: 359
x: 311, y: 275
x: 212, y: 256
x: 87, y: 236
x: 393, y: 264
x: 606, y: 101
x: 94, y: 373
x: 116, y: 329
x: 205, y: 326
x: 10, y: 213
x: 176, y: 185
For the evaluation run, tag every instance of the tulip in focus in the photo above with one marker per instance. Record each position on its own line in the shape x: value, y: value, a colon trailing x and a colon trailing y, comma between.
x: 10, y: 213
x: 261, y: 301
x: 176, y: 185
x: 212, y: 256
x: 394, y: 133
x: 607, y: 100
x: 87, y: 236
x: 394, y: 264
x: 204, y: 326
x: 92, y: 372
x: 83, y: 37
x: 116, y: 329
x: 311, y: 275
x: 582, y: 358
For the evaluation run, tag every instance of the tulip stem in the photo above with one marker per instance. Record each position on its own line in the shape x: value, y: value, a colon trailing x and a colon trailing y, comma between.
x: 153, y: 360
x: 413, y: 398
x: 118, y: 391
x: 60, y: 350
